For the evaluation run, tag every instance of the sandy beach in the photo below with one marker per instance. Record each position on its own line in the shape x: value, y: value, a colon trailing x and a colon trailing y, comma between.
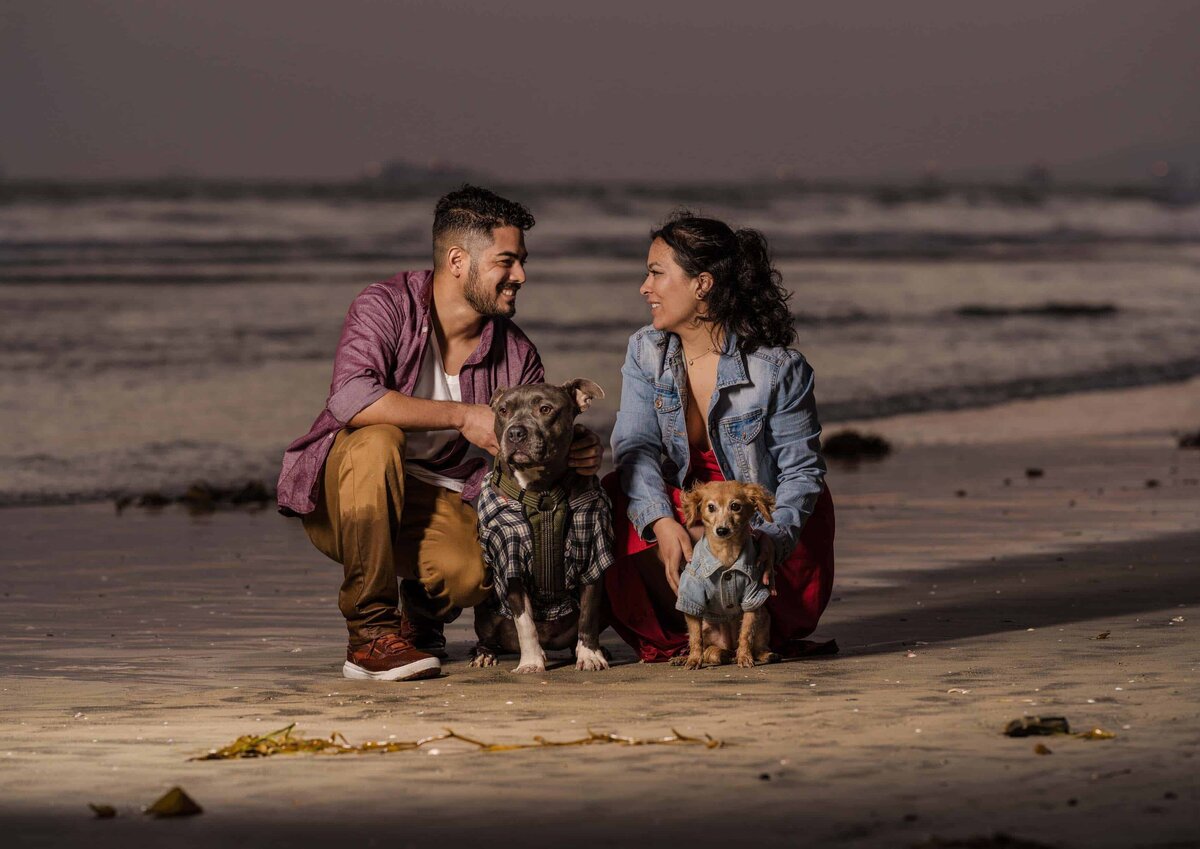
x: 968, y: 594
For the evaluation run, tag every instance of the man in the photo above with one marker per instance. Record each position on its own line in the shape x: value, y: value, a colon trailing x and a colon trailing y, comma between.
x: 385, y: 478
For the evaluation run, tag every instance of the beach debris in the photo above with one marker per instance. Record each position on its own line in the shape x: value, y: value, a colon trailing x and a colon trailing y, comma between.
x: 958, y: 691
x: 284, y: 742
x: 1103, y: 635
x: 1036, y: 726
x: 1042, y: 749
x: 1095, y: 734
x: 1044, y: 726
x: 1049, y: 309
x: 1152, y: 483
x: 1190, y: 440
x: 999, y: 840
x: 1175, y: 619
x: 1034, y: 472
x: 103, y: 812
x: 852, y: 446
x: 202, y: 497
x: 174, y: 803
x: 960, y: 493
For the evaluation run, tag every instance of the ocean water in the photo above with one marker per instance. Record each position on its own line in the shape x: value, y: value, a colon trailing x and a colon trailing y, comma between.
x: 148, y: 343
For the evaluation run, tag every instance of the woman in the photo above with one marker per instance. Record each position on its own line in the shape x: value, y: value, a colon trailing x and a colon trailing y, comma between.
x: 711, y: 391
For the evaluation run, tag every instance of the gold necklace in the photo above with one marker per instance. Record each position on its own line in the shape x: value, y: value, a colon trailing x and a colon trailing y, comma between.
x: 692, y: 360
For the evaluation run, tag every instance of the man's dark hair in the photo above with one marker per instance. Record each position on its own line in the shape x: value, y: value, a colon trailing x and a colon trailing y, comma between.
x: 472, y: 213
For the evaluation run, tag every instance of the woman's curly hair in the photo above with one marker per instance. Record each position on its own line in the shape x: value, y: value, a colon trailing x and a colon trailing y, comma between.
x: 747, y: 295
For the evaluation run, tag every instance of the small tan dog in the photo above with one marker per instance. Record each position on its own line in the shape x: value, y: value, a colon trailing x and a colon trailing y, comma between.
x: 722, y: 589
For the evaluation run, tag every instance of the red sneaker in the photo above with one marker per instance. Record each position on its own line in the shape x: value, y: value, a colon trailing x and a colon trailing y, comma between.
x: 389, y: 658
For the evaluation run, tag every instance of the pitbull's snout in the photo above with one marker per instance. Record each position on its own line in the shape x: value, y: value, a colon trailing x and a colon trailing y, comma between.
x: 722, y: 531
x: 517, y: 433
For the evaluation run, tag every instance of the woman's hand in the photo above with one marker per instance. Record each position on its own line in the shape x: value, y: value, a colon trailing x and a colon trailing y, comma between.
x: 674, y: 548
x: 766, y: 556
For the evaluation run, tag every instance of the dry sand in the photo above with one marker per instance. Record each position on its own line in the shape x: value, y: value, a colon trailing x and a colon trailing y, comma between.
x: 130, y: 643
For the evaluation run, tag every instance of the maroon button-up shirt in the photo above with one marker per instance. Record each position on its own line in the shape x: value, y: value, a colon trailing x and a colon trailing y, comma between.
x: 383, y: 343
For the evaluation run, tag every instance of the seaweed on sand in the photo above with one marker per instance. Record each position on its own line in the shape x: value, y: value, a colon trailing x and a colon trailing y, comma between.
x: 284, y: 742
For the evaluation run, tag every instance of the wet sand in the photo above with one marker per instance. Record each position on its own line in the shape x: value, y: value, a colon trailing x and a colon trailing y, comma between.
x: 968, y: 594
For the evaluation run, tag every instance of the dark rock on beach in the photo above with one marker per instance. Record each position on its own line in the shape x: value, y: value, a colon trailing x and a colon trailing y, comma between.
x: 202, y: 497
x: 850, y: 445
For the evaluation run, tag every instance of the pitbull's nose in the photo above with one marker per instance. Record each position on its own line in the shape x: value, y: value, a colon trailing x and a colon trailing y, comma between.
x: 723, y: 531
x: 517, y: 433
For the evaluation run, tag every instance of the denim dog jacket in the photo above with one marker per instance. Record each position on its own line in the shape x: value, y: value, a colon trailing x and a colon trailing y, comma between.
x: 711, y: 592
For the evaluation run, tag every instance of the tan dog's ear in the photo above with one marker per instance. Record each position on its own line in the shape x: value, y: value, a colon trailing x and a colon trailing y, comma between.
x: 690, y: 501
x: 763, y: 501
x: 497, y: 395
x: 582, y: 391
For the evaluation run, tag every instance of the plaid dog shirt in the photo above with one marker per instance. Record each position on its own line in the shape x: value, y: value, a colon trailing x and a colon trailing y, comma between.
x: 506, y: 537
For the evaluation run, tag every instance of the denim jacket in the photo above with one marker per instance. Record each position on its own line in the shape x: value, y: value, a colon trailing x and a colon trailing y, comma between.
x: 762, y: 424
x: 714, y: 593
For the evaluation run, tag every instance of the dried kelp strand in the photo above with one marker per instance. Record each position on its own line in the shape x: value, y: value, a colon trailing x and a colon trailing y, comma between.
x: 284, y: 742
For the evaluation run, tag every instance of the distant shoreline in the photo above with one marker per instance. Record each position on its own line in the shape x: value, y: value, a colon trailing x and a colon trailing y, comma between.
x: 1019, y: 192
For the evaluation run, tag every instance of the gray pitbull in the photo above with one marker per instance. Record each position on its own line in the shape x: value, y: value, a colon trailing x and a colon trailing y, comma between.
x: 535, y: 425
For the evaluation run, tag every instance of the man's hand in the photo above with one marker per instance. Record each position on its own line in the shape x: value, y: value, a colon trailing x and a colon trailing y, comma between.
x: 586, y: 452
x: 766, y: 556
x: 479, y: 427
x: 674, y: 548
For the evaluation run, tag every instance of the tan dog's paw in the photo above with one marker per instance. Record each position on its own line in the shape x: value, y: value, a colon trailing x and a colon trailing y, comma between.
x: 767, y: 657
x: 693, y: 661
x: 717, y: 656
x: 745, y: 659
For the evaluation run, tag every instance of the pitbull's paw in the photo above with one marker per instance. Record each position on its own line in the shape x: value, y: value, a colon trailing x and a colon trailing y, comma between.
x: 531, y: 667
x: 591, y: 660
x: 482, y: 656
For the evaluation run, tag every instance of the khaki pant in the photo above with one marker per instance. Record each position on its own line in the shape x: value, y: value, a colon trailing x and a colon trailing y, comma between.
x: 383, y: 526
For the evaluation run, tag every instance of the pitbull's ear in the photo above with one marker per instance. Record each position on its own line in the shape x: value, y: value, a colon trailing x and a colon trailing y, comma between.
x: 690, y: 501
x: 497, y: 395
x: 582, y: 392
x: 763, y: 501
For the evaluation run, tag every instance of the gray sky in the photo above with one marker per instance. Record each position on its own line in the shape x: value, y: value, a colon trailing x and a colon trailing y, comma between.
x: 558, y: 89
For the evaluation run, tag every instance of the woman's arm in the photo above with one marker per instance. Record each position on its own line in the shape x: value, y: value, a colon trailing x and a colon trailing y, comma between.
x: 794, y: 443
x: 637, y: 448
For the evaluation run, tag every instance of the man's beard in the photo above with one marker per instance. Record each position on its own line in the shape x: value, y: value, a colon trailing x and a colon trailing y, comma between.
x: 484, y: 301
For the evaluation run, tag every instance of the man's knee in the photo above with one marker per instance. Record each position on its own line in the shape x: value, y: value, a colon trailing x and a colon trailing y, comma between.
x: 458, y: 581
x: 376, y: 443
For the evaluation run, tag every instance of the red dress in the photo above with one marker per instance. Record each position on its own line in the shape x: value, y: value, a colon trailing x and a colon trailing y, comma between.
x: 804, y: 581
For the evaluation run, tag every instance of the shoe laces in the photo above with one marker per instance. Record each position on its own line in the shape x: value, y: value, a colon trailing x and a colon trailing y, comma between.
x: 389, y: 644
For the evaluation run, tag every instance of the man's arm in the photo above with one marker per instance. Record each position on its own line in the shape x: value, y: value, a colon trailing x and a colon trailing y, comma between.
x: 476, y: 422
x: 358, y: 396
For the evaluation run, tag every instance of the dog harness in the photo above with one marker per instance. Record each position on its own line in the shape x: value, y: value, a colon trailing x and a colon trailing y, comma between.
x: 717, y: 594
x: 555, y: 541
